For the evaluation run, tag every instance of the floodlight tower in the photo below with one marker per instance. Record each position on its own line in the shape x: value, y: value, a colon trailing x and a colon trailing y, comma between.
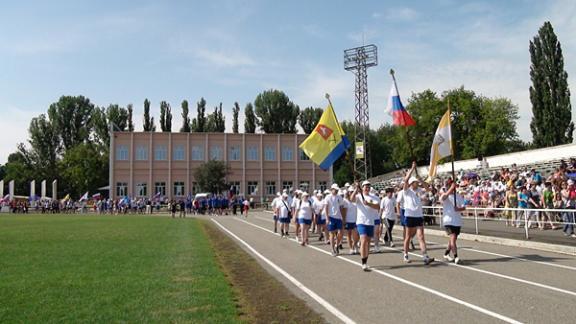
x: 358, y: 60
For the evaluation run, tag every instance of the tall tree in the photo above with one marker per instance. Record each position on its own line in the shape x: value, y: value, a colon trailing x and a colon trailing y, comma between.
x: 249, y: 120
x: 276, y: 113
x: 165, y: 117
x: 550, y: 96
x: 211, y: 176
x: 70, y: 117
x: 130, y: 123
x: 199, y: 123
x: 309, y: 118
x: 148, y: 121
x: 235, y: 112
x: 44, y: 147
x: 215, y: 121
x: 118, y: 116
x: 185, y: 118
x: 82, y: 169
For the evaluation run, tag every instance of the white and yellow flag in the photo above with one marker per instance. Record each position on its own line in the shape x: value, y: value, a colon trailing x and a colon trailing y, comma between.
x: 442, y: 144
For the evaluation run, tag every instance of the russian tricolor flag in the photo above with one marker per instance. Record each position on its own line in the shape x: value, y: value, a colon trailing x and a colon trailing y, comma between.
x: 396, y: 109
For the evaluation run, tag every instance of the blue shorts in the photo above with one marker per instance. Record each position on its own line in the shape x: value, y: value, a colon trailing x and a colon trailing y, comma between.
x: 320, y: 221
x: 284, y: 220
x: 304, y: 221
x: 350, y: 226
x: 414, y: 221
x: 335, y: 224
x: 367, y: 230
x: 402, y: 218
x: 377, y: 222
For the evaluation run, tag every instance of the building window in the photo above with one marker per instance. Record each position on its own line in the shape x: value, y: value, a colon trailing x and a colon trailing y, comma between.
x: 270, y: 188
x: 269, y: 153
x: 141, y: 189
x: 178, y: 153
x: 235, y: 187
x: 179, y: 188
x: 234, y: 153
x: 195, y: 187
x: 303, y: 156
x: 287, y: 185
x: 141, y: 153
x: 304, y: 185
x: 121, y: 188
x: 286, y: 153
x: 122, y: 153
x: 197, y: 153
x: 252, y: 153
x: 216, y: 153
x: 160, y: 189
x: 323, y: 186
x: 160, y: 153
x: 252, y: 188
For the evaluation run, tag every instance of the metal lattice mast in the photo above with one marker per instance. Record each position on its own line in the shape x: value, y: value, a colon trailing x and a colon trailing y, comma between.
x: 358, y: 60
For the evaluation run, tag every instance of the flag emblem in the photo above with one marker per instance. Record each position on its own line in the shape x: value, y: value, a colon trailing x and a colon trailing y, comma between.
x: 324, y: 131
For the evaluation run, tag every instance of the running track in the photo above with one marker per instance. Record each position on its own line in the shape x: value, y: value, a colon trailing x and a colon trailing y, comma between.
x: 493, y: 284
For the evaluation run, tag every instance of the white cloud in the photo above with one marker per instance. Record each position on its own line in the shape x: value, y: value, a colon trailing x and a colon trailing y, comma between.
x: 223, y: 58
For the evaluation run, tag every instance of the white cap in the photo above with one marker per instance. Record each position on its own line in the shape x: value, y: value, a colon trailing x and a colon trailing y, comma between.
x: 304, y: 193
x: 326, y: 191
x: 350, y: 189
x: 365, y: 183
x: 319, y: 194
x: 347, y: 184
x: 278, y: 194
x: 284, y: 190
x: 334, y: 186
x: 570, y: 182
x: 284, y: 195
x: 412, y: 179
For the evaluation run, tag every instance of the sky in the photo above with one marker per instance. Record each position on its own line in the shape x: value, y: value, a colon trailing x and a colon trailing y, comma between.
x: 121, y: 52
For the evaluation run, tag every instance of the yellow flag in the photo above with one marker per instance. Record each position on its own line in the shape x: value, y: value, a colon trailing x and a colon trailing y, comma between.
x: 442, y: 144
x: 327, y: 142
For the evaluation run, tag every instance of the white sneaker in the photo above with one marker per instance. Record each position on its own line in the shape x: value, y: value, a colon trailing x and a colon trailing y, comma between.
x: 457, y: 260
x: 351, y: 252
x: 406, y: 260
x: 448, y: 258
x: 392, y: 244
x: 365, y: 267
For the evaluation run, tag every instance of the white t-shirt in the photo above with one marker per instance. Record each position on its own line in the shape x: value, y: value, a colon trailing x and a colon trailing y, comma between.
x: 351, y: 211
x: 365, y: 214
x: 400, y: 198
x: 388, y: 206
x: 334, y: 203
x: 295, y: 203
x: 305, y: 210
x: 452, y: 217
x: 319, y: 208
x: 282, y: 209
x: 412, y: 203
x: 275, y: 204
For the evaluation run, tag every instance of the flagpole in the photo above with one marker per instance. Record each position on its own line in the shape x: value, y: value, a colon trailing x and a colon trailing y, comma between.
x: 413, y: 157
x: 452, y: 150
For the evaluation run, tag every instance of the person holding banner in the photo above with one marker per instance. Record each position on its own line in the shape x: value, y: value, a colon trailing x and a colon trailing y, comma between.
x: 414, y: 215
x: 452, y: 219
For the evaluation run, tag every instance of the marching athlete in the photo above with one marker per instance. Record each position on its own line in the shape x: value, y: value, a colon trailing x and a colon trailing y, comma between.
x: 414, y: 214
x: 304, y: 213
x: 367, y: 206
x: 350, y: 226
x: 334, y: 206
x: 452, y: 220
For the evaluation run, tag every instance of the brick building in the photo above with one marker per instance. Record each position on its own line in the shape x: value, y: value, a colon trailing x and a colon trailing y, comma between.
x: 145, y: 163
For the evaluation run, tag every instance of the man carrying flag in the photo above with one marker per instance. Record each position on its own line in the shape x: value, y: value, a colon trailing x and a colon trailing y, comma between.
x: 328, y: 141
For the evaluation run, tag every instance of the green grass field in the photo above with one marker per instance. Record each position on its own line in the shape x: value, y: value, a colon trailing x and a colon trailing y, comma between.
x: 86, y: 268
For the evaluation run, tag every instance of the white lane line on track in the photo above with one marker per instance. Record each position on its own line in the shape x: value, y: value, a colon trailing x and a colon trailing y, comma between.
x: 495, y: 274
x: 522, y: 259
x: 293, y: 280
x: 407, y: 282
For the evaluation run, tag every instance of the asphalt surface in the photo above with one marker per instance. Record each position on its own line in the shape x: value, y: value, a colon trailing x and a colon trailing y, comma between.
x: 493, y: 283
